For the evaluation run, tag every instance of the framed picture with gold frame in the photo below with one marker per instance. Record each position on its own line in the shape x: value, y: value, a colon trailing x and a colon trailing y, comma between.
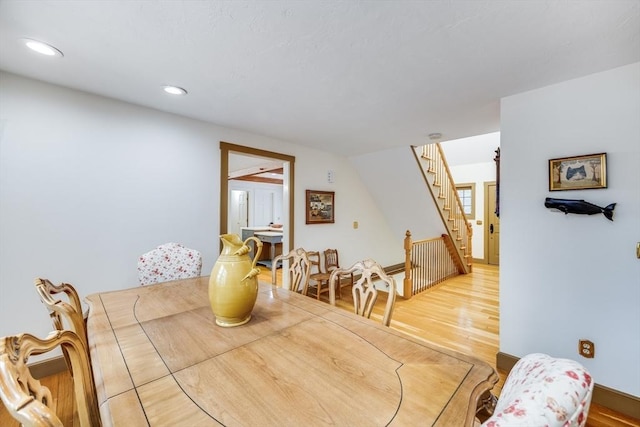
x: 578, y: 172
x: 321, y: 207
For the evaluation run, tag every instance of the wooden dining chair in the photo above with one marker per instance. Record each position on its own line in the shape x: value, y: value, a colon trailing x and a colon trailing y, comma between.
x: 170, y: 261
x: 64, y: 314
x: 297, y: 271
x: 318, y: 279
x: 364, y: 290
x: 26, y: 399
x: 331, y: 262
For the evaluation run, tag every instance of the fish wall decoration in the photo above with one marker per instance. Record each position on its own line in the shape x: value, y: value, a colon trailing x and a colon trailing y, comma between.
x: 579, y: 207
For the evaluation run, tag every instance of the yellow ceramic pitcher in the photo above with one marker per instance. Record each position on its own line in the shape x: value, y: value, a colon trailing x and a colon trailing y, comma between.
x: 233, y: 285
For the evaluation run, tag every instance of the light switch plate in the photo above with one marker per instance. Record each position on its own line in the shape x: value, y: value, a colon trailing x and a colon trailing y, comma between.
x: 330, y: 176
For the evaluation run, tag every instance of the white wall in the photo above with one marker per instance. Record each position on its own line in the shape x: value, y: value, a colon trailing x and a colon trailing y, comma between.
x: 471, y: 150
x: 478, y: 174
x: 566, y: 277
x: 398, y: 187
x: 87, y: 184
x: 373, y: 238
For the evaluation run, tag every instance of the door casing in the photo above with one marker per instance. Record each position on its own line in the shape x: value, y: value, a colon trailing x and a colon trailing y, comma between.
x: 289, y: 184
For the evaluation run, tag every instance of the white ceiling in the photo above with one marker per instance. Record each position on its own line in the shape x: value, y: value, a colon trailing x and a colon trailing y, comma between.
x: 346, y: 76
x: 471, y: 150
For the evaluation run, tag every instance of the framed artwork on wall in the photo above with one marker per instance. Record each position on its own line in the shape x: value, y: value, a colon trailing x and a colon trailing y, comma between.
x: 320, y: 207
x: 578, y: 172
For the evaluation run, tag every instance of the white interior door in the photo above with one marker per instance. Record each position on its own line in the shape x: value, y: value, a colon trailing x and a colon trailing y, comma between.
x: 263, y: 212
x: 238, y: 211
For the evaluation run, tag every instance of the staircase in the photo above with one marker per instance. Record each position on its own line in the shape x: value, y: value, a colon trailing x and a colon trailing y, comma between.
x: 442, y: 188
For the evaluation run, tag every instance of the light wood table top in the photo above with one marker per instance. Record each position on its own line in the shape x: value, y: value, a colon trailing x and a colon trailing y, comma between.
x: 159, y: 359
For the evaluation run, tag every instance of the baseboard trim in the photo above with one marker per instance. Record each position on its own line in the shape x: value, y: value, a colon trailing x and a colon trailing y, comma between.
x: 505, y: 361
x: 47, y: 367
x: 618, y: 401
x: 394, y: 269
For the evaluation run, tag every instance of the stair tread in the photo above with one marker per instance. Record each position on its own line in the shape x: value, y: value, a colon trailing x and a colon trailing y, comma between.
x: 443, y: 188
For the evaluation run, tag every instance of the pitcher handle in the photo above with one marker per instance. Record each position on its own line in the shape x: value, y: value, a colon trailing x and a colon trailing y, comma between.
x: 258, y: 250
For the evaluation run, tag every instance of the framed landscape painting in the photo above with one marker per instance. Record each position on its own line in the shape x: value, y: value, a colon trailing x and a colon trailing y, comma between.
x: 320, y: 207
x: 578, y: 172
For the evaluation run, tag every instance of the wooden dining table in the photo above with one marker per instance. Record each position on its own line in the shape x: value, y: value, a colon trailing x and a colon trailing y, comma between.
x: 159, y: 359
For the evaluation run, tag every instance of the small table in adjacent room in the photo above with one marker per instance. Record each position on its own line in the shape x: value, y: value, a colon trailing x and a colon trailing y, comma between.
x: 159, y: 359
x: 272, y: 238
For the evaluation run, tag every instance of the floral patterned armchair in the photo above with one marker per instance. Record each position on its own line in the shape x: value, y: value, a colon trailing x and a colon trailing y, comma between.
x: 544, y: 391
x: 170, y: 261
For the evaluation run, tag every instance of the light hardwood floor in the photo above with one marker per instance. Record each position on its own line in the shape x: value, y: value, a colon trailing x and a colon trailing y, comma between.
x: 461, y: 314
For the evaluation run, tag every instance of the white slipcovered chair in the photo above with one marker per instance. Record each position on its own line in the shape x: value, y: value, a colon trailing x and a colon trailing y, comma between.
x: 542, y: 390
x: 170, y: 261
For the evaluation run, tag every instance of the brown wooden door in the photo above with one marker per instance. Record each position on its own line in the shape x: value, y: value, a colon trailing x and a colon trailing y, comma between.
x: 493, y: 227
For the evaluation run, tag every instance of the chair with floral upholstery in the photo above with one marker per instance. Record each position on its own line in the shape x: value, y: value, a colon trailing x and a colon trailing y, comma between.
x: 542, y: 390
x: 170, y: 261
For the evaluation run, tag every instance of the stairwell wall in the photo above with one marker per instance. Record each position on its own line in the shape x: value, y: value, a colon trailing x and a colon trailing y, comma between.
x: 394, y: 180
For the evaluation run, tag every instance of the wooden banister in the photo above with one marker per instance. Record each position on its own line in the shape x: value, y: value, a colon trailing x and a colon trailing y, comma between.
x: 445, y: 196
x: 427, y: 262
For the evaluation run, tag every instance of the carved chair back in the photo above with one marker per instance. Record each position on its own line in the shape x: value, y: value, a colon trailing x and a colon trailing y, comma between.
x: 297, y: 271
x: 63, y: 313
x: 26, y: 399
x: 364, y: 290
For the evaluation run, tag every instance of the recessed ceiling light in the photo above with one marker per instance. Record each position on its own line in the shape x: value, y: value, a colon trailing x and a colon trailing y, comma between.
x: 175, y: 90
x: 43, y: 48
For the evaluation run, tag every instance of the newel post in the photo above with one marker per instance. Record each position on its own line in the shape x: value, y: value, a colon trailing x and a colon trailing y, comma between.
x: 407, y: 291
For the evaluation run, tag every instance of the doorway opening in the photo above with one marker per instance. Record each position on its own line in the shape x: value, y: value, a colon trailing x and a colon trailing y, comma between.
x: 288, y: 168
